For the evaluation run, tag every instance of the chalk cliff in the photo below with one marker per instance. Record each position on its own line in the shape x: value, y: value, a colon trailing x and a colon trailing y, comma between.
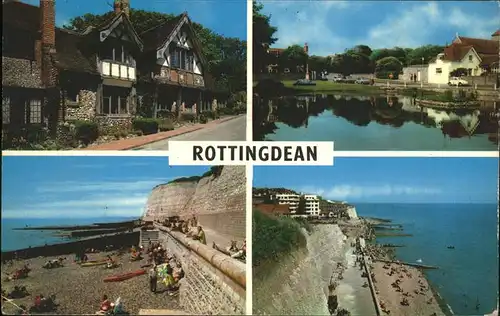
x: 218, y: 200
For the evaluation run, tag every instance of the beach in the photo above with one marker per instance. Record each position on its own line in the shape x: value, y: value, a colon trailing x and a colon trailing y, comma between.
x: 79, y: 290
x: 412, y: 285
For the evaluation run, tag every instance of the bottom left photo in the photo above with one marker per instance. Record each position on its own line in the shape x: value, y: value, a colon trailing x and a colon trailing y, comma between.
x: 122, y: 235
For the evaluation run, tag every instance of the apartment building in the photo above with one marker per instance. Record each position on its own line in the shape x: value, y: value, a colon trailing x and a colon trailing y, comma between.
x: 292, y: 200
x: 312, y: 205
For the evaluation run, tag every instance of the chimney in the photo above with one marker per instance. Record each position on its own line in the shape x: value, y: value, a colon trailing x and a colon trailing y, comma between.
x: 117, y: 6
x: 126, y: 7
x: 48, y: 39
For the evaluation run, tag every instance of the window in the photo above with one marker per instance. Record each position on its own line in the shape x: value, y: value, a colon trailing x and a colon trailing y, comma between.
x: 5, y: 110
x: 469, y: 72
x: 470, y: 58
x: 115, y: 101
x: 439, y: 70
x: 116, y: 52
x: 182, y: 59
x: 35, y: 111
x: 72, y: 95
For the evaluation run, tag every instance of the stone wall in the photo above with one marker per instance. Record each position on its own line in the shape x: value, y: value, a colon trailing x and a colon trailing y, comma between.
x: 205, y: 290
x: 85, y: 109
x: 109, y: 125
x: 23, y: 73
x: 218, y: 202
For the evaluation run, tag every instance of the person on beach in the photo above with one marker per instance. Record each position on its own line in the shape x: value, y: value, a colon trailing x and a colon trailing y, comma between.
x: 169, y: 280
x: 200, y: 236
x: 153, y: 278
x: 105, y: 305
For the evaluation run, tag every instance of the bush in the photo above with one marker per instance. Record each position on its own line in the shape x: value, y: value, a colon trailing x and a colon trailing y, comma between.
x: 86, y: 131
x: 165, y: 114
x: 203, y: 119
x: 274, y: 236
x: 146, y: 125
x: 227, y: 111
x: 165, y: 125
x: 188, y: 117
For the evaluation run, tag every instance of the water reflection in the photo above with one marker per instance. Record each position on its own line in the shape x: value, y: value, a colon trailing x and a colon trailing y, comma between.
x: 389, y: 123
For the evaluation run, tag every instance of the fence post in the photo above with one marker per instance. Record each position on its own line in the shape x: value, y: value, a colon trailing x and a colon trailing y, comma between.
x: 421, y: 84
x: 475, y: 86
x: 405, y: 83
x: 387, y: 83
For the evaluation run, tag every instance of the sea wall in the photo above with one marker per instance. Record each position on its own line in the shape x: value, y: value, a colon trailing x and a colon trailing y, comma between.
x: 214, y: 284
x: 218, y: 201
x: 114, y: 241
x: 297, y: 284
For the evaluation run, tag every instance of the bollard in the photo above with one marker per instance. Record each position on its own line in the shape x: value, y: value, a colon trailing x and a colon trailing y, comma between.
x: 421, y: 84
x: 475, y: 86
x: 387, y: 83
x: 495, y: 86
x: 405, y: 84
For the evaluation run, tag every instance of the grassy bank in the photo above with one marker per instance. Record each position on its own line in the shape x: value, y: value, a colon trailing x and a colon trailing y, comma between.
x: 275, y: 236
x: 329, y: 86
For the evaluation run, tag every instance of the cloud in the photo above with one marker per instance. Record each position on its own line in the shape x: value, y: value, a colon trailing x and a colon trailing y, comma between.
x: 310, y: 19
x: 74, y: 186
x: 333, y: 26
x: 347, y: 191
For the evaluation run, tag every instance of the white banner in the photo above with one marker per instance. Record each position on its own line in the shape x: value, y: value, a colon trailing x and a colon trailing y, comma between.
x: 192, y: 153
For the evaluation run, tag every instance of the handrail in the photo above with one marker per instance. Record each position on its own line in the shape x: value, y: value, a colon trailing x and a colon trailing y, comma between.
x: 227, y: 265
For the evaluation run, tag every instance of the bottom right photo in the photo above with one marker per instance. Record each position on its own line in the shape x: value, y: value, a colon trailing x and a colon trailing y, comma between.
x: 377, y: 236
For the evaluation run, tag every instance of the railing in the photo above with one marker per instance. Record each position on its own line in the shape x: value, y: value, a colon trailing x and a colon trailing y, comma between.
x: 117, y: 70
x: 230, y: 267
x: 180, y: 76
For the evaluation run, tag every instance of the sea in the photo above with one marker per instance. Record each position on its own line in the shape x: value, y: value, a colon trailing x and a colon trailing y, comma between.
x: 467, y: 274
x: 20, y: 239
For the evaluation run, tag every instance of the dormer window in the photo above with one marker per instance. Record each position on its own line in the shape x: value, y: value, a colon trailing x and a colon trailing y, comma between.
x: 116, y: 52
x: 182, y: 58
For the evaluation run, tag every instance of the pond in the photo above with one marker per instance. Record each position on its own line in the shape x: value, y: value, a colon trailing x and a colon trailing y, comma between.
x: 374, y: 123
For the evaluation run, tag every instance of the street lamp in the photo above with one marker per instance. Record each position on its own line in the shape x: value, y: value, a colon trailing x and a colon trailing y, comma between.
x: 422, y: 74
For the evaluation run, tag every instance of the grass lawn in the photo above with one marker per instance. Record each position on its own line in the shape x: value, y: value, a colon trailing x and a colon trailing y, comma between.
x: 328, y: 86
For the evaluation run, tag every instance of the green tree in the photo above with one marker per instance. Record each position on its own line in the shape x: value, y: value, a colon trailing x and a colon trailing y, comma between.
x: 223, y: 54
x: 293, y: 57
x: 459, y: 72
x: 263, y: 38
x: 388, y: 65
x: 318, y: 63
x: 427, y: 52
x: 301, y: 209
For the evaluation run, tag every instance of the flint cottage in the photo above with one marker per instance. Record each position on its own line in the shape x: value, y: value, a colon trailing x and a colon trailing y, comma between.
x: 108, y: 73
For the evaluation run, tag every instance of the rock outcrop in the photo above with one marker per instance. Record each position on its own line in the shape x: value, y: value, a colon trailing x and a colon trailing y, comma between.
x: 217, y: 200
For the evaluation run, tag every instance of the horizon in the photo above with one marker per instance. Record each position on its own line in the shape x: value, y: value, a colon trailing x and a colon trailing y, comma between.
x: 206, y: 13
x: 83, y: 186
x: 393, y: 180
x: 331, y: 27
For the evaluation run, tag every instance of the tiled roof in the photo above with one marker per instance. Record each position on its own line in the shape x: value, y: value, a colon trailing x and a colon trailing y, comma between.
x: 273, y: 208
x: 70, y: 55
x: 155, y: 37
x: 496, y: 33
x: 21, y: 15
x: 482, y: 46
x: 456, y: 52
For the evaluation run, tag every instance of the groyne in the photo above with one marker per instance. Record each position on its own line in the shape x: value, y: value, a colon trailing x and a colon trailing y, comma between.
x: 107, y: 241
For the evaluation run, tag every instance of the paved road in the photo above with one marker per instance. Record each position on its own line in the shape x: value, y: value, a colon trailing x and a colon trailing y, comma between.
x: 234, y: 129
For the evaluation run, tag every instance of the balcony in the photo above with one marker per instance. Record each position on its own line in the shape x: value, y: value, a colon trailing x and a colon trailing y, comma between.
x: 179, y: 76
x: 117, y: 70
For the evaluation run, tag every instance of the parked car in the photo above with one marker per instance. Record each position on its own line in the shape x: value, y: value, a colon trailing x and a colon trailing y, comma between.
x: 456, y: 81
x: 338, y: 79
x: 363, y: 81
x: 304, y: 82
x: 349, y: 80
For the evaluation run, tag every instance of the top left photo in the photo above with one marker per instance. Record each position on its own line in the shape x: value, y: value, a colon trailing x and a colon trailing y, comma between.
x: 122, y: 74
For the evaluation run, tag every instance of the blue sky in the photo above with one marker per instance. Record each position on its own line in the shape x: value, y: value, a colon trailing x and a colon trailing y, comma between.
x: 391, y: 180
x: 225, y: 17
x: 332, y: 26
x: 48, y: 187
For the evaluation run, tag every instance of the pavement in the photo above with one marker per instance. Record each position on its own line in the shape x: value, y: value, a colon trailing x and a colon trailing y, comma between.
x: 227, y: 128
x: 232, y: 130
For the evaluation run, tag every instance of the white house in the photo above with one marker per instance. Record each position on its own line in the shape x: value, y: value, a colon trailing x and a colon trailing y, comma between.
x: 474, y: 54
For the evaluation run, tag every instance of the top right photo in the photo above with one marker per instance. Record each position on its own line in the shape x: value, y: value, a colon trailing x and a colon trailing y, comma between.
x: 377, y: 76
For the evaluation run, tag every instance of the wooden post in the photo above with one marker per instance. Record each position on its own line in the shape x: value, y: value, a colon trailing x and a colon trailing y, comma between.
x: 179, y: 102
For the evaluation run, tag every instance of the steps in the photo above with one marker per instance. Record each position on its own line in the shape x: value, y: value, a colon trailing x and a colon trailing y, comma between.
x: 149, y: 235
